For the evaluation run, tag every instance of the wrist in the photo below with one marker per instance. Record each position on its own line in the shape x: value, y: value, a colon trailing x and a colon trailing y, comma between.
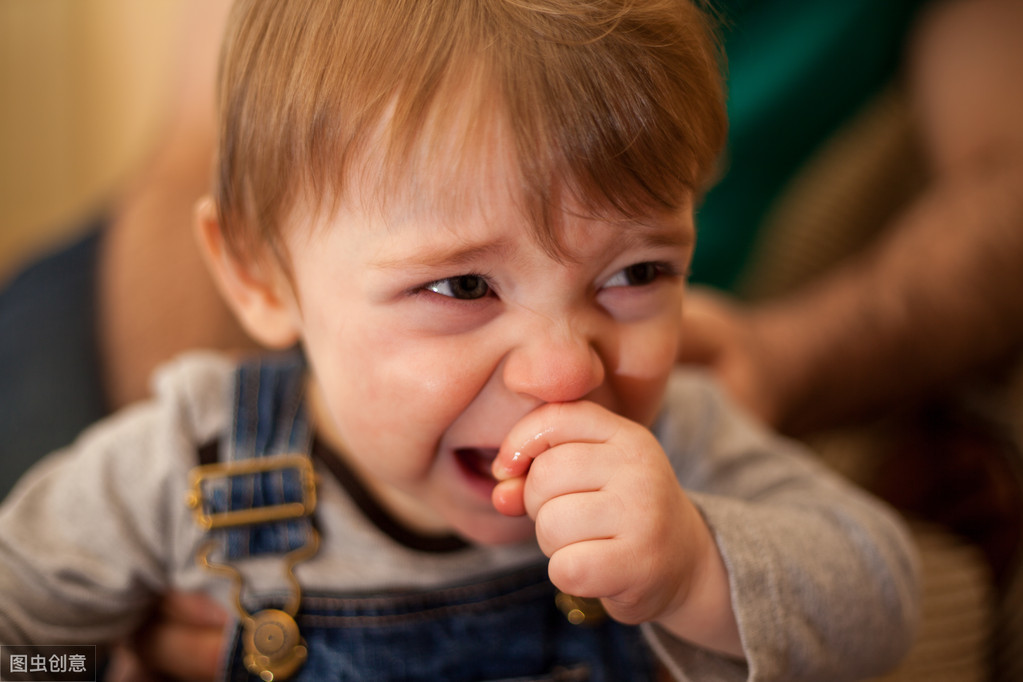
x: 703, y: 613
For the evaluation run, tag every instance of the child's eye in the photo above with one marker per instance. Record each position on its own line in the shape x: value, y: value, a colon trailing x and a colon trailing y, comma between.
x: 463, y: 287
x: 638, y: 275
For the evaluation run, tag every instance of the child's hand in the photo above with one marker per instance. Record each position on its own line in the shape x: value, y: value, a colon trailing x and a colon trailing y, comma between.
x: 182, y: 641
x: 616, y: 524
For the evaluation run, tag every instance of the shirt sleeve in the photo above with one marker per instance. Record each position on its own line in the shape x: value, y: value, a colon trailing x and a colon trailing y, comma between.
x: 823, y: 577
x: 91, y: 535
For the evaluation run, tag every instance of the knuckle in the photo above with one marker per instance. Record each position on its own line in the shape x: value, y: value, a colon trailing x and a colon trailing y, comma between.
x: 570, y: 574
x: 546, y: 537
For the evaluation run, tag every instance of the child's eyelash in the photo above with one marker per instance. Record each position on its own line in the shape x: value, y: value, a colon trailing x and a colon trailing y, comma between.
x: 669, y: 269
x: 470, y: 286
x: 643, y: 273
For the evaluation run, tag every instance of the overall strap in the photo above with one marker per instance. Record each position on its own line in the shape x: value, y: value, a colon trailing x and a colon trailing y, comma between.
x: 269, y: 415
x: 260, y: 495
x: 258, y: 499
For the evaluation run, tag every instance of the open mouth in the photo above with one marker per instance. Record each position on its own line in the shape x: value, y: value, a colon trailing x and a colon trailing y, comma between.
x: 477, y: 462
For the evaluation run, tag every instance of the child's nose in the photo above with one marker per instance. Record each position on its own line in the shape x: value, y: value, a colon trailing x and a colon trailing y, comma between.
x: 555, y: 364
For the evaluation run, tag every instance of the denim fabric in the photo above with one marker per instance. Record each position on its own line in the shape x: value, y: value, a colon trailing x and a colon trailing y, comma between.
x: 497, y: 628
x: 504, y: 628
x: 270, y: 414
x: 269, y: 419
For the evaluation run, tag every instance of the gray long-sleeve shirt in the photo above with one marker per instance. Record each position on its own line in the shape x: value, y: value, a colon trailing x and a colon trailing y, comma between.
x: 823, y: 577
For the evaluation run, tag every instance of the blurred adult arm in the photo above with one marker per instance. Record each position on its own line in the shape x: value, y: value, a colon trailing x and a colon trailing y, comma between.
x: 155, y: 297
x: 938, y: 296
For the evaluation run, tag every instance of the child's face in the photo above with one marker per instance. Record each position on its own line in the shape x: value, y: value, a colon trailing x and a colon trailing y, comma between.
x: 431, y: 335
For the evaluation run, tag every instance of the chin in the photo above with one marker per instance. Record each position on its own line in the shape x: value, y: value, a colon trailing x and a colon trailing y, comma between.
x: 504, y: 530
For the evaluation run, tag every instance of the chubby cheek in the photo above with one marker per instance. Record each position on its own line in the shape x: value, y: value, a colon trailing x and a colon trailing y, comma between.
x: 394, y: 395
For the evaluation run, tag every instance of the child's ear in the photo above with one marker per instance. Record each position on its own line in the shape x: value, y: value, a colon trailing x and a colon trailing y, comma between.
x: 258, y: 293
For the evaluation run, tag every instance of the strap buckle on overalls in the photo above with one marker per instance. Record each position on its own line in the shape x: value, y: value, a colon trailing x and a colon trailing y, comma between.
x: 210, y: 520
x: 257, y: 499
x: 274, y: 649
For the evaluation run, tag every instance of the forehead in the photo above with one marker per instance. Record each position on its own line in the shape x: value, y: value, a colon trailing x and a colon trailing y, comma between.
x: 464, y: 173
x: 614, y: 105
x: 587, y: 247
x: 480, y: 217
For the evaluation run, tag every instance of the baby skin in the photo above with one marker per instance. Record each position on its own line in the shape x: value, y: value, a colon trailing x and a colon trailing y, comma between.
x: 441, y: 331
x: 611, y: 516
x: 432, y: 339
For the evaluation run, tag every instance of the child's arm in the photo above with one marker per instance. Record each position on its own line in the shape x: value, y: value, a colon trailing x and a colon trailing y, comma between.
x: 92, y: 536
x: 76, y: 565
x: 821, y: 578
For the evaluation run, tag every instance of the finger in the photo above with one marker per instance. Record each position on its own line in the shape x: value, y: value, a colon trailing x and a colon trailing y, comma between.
x: 705, y: 330
x: 576, y: 518
x: 547, y: 426
x: 183, y: 652
x: 508, y: 498
x: 125, y: 666
x: 194, y: 608
x: 583, y: 569
x: 568, y: 468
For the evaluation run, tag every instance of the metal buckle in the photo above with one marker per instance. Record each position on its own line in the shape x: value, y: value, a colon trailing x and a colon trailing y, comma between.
x: 580, y: 610
x: 256, y: 465
x: 274, y: 648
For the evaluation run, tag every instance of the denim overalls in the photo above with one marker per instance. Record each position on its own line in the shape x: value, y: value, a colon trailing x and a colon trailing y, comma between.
x: 501, y: 627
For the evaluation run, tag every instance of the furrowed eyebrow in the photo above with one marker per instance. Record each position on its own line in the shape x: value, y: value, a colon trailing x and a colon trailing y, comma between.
x: 442, y: 257
x: 676, y: 239
x: 633, y: 236
x: 645, y: 235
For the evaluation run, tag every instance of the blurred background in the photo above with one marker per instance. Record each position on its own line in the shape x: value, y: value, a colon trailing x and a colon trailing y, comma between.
x: 83, y: 91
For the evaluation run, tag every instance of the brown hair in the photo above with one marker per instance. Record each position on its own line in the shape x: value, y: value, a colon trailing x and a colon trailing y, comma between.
x: 618, y: 101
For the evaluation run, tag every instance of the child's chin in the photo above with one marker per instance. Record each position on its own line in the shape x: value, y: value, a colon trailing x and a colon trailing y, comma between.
x: 502, y: 530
